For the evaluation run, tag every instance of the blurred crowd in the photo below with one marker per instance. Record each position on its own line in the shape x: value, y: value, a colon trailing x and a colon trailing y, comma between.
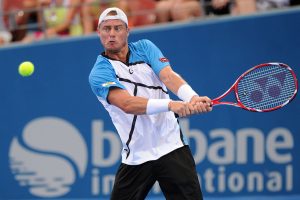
x: 26, y: 21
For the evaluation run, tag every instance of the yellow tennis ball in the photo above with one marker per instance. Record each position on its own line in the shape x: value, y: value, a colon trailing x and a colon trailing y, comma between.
x: 26, y: 68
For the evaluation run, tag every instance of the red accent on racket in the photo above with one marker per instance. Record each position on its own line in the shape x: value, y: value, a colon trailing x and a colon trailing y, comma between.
x: 263, y: 88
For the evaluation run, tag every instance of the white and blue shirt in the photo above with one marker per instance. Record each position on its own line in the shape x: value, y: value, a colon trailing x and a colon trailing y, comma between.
x: 144, y: 137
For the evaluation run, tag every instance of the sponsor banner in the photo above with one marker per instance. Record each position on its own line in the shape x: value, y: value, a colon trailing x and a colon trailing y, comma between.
x: 51, y: 158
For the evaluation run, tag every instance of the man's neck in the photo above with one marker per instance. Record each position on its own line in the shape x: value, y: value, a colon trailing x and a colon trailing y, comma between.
x: 121, y: 55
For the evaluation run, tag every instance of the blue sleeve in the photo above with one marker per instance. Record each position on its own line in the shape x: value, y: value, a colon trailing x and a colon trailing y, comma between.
x: 102, y: 77
x: 154, y: 56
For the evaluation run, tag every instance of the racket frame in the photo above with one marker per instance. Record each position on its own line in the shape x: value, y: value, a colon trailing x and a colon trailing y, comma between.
x: 234, y: 88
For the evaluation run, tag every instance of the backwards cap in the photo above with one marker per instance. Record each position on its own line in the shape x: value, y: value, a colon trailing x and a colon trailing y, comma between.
x: 120, y: 15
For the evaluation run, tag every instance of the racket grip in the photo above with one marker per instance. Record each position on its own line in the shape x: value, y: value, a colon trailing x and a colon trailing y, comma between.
x: 213, y: 102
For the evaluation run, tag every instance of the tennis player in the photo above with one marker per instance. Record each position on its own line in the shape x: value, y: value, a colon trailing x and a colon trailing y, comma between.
x: 131, y: 80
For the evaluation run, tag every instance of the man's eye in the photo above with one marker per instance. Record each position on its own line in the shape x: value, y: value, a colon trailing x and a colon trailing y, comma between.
x: 106, y: 29
x: 118, y: 28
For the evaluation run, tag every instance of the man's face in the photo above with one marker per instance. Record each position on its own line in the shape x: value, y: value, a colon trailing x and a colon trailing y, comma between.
x: 113, y: 35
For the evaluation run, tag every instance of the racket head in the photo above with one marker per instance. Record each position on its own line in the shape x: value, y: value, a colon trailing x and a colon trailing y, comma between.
x: 266, y: 87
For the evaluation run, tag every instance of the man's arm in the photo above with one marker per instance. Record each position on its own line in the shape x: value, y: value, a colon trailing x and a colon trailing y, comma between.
x: 175, y: 83
x: 171, y: 79
x: 139, y: 105
x: 126, y: 102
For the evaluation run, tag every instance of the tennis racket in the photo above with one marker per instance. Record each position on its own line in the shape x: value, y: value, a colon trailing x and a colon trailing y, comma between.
x: 263, y: 88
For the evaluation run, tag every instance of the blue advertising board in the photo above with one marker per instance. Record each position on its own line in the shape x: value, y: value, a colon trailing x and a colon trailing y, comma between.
x: 57, y: 141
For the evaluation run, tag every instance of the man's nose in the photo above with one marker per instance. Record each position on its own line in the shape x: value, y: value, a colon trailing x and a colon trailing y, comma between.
x: 112, y: 32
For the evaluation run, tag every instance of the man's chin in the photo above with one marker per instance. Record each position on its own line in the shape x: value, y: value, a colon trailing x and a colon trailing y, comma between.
x: 113, y: 50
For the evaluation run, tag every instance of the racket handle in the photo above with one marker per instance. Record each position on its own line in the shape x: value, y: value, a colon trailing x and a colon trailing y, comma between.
x: 214, y: 102
x: 217, y: 103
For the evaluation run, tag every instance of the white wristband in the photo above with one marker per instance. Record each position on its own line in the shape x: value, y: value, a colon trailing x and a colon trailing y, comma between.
x: 155, y: 106
x: 185, y: 93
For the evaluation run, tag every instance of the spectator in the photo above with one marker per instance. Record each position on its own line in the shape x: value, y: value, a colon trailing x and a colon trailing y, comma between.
x: 89, y: 15
x: 244, y: 7
x: 18, y: 13
x: 91, y: 9
x: 217, y: 7
x: 263, y: 5
x: 140, y: 12
x: 177, y: 10
x: 294, y: 2
x: 61, y: 18
x: 5, y: 35
x: 251, y: 6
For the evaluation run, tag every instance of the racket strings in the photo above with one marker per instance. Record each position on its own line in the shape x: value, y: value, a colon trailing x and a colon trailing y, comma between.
x: 266, y: 87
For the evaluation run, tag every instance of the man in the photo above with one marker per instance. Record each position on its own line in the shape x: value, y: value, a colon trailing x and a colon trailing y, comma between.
x: 131, y: 82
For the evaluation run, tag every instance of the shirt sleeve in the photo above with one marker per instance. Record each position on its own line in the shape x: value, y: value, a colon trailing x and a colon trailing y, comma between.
x: 102, y: 77
x: 154, y: 56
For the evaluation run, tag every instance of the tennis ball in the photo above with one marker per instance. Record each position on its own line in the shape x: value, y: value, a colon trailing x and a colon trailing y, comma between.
x: 26, y: 68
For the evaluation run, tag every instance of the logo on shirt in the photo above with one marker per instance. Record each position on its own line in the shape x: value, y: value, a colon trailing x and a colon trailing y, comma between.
x: 107, y: 84
x: 163, y: 60
x: 130, y: 71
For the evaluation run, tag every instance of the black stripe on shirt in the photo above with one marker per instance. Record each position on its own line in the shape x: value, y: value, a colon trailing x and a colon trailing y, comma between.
x: 143, y: 85
x: 132, y: 126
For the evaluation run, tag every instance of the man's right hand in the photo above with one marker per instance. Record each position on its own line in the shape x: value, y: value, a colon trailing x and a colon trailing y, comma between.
x: 184, y: 109
x: 181, y: 108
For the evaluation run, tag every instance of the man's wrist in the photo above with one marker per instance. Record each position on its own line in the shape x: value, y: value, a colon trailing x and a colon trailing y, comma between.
x: 155, y: 106
x: 169, y: 105
x: 186, y: 93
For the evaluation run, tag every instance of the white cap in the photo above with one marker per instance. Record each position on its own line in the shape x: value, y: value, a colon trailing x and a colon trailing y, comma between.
x: 120, y: 15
